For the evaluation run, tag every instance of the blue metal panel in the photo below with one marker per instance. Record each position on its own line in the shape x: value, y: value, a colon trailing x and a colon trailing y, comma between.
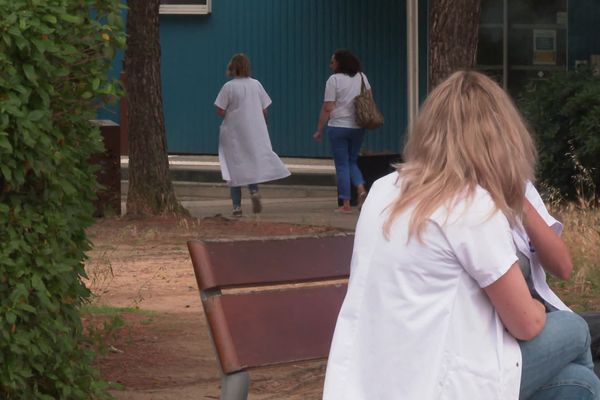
x: 112, y: 111
x: 289, y: 43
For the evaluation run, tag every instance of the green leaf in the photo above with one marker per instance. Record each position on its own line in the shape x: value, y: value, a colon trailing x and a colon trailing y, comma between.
x: 37, y: 284
x: 10, y: 317
x: 27, y: 307
x: 6, y: 172
x: 36, y: 115
x: 30, y: 72
x: 5, y: 143
x: 23, y: 24
x: 50, y: 18
x: 74, y: 19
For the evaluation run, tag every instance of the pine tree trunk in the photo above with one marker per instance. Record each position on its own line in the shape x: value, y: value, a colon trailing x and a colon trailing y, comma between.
x: 150, y: 189
x: 453, y: 37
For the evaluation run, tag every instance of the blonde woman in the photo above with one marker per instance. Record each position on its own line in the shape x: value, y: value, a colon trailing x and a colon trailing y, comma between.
x: 245, y: 151
x: 437, y: 307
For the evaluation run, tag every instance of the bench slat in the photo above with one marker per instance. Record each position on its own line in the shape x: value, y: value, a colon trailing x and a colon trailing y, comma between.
x: 265, y: 328
x: 252, y: 262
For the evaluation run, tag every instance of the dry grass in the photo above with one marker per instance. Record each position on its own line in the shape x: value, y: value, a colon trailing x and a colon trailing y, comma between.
x: 582, y: 236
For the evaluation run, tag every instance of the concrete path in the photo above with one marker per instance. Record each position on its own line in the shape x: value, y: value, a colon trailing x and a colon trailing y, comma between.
x: 283, y: 201
x: 307, y: 211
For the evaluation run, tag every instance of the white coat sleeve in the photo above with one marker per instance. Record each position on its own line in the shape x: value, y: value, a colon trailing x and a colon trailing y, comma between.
x: 536, y: 201
x: 482, y: 242
x: 223, y: 98
x: 265, y: 100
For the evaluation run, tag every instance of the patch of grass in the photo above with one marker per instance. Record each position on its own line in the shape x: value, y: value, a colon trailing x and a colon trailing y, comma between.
x: 104, y: 324
x: 110, y: 311
x: 582, y: 236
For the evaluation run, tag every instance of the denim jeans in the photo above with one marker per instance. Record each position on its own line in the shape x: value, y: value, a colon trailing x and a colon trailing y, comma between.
x: 236, y: 194
x: 593, y: 320
x: 345, y: 145
x: 557, y: 364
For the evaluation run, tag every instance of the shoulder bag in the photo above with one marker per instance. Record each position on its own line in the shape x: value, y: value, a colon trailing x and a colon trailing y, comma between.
x: 367, y: 114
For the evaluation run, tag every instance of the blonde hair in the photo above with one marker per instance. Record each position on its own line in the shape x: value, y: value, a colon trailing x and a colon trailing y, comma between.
x: 468, y: 133
x: 239, y: 65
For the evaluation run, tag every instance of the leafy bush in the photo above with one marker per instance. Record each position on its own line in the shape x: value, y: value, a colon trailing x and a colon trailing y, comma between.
x: 564, y: 112
x: 54, y: 57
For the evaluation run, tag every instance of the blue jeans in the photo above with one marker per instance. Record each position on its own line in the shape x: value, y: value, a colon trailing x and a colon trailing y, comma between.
x: 236, y: 193
x: 345, y: 146
x: 557, y: 364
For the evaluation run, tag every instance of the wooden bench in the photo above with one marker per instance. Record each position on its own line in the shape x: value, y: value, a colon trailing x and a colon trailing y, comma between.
x: 270, y: 301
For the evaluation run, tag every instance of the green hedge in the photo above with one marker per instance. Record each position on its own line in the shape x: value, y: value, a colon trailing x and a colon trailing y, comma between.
x: 564, y: 112
x: 54, y: 58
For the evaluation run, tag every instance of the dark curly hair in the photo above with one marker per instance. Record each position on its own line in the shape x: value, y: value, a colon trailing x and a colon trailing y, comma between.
x: 347, y: 62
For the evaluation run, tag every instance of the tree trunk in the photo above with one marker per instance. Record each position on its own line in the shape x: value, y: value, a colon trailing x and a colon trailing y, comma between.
x: 150, y: 189
x: 453, y: 37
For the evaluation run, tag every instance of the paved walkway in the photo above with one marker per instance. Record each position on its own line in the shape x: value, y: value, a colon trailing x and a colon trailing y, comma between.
x: 299, y: 204
x: 308, y: 211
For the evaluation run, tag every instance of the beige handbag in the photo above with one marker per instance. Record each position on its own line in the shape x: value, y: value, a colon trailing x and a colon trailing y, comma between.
x: 367, y: 114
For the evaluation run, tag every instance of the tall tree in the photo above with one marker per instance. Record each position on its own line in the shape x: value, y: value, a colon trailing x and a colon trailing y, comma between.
x: 150, y: 188
x: 453, y: 37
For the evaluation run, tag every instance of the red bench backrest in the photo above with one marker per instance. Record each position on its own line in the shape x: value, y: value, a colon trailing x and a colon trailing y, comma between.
x: 257, y: 325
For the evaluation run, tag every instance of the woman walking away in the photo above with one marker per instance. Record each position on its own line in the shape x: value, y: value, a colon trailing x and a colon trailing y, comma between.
x: 245, y: 151
x: 437, y: 306
x: 345, y: 136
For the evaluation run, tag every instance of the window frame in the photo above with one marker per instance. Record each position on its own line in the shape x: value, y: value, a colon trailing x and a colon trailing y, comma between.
x: 197, y: 9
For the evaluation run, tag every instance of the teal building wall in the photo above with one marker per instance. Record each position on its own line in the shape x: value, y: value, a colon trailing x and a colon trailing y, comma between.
x: 289, y: 43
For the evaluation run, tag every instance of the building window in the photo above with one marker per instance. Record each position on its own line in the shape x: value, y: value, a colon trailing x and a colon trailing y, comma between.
x: 185, y: 6
x: 522, y: 40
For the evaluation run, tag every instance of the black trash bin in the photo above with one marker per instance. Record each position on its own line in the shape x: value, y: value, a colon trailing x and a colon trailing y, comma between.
x: 373, y: 167
x: 109, y: 173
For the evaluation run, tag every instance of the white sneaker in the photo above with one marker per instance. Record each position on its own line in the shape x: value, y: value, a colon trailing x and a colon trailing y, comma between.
x: 237, y: 211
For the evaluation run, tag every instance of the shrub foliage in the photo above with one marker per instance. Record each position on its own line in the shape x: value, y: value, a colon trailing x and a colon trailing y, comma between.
x: 54, y: 58
x: 564, y: 112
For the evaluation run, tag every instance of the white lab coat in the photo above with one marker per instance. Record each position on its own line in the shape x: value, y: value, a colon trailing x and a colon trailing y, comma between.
x: 538, y: 274
x: 415, y: 323
x: 245, y: 151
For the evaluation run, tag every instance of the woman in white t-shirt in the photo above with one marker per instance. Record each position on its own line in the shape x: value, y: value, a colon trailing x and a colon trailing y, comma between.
x: 245, y: 151
x: 437, y: 307
x: 345, y: 136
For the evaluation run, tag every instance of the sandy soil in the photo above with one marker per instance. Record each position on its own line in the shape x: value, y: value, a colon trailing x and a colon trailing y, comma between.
x: 163, y: 351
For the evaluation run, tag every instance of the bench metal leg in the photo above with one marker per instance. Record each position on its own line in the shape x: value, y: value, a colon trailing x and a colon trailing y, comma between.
x: 235, y: 386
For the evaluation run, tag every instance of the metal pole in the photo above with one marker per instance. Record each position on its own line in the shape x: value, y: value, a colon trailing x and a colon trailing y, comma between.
x: 412, y: 59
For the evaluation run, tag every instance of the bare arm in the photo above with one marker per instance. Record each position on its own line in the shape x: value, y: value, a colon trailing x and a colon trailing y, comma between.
x: 549, y: 247
x: 266, y: 114
x: 523, y: 316
x: 323, y: 118
x: 220, y: 112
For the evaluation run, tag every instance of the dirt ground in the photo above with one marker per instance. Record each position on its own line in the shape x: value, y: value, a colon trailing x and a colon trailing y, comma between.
x: 163, y: 351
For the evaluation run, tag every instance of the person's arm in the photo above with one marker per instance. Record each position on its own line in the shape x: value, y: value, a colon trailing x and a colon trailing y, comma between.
x: 523, y: 316
x: 552, y: 252
x: 220, y: 112
x: 266, y: 114
x: 323, y: 118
